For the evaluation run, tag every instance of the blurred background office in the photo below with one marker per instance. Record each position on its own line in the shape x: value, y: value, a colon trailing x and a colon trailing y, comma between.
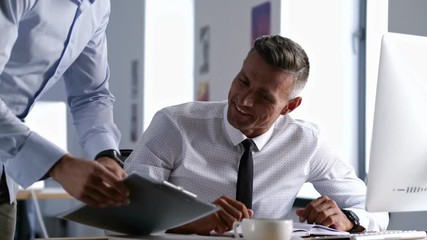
x: 165, y: 52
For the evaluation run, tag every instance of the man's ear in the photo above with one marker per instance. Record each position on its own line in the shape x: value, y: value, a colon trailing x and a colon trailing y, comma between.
x: 292, y: 105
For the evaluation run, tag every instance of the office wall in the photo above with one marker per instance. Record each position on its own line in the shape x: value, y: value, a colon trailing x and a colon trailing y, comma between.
x: 126, y: 37
x: 229, y: 40
x: 169, y: 48
x: 327, y: 30
x: 408, y: 16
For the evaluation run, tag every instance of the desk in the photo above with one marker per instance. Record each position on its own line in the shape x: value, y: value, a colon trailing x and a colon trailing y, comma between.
x: 168, y: 236
x: 160, y: 236
x: 44, y: 193
x: 26, y: 221
x: 164, y: 237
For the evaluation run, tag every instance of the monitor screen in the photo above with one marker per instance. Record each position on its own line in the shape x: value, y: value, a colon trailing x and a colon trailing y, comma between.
x: 397, y: 177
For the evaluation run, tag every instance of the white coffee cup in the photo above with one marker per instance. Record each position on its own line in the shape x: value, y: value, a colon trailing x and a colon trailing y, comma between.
x: 259, y: 229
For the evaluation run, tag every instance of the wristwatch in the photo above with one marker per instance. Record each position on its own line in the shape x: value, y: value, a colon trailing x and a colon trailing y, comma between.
x: 113, y: 154
x: 353, y: 219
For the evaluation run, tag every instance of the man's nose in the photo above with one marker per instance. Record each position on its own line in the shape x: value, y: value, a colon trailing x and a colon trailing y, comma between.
x: 248, y: 99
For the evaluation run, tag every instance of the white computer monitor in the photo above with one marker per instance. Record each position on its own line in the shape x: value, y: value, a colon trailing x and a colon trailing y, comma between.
x: 397, y: 177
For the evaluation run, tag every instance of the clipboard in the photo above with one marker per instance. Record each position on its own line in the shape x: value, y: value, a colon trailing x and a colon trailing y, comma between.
x: 154, y: 206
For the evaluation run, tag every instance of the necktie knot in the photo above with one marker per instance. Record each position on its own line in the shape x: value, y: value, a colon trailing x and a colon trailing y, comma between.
x: 248, y: 144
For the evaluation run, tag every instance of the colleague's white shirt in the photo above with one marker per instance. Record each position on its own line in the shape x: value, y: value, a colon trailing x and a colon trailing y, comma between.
x: 42, y: 42
x: 192, y: 145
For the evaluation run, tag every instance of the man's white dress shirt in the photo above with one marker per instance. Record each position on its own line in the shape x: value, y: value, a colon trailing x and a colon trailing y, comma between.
x: 192, y: 145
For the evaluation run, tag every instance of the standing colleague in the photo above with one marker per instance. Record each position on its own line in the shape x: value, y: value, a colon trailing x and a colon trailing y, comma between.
x: 41, y: 43
x: 199, y: 145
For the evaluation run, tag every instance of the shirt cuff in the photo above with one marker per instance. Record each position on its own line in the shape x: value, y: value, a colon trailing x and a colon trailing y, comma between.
x: 34, y: 160
x: 100, y: 143
x: 371, y: 221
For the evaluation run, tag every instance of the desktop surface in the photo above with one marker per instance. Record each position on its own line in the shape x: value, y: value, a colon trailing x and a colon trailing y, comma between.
x: 168, y: 236
x: 389, y: 234
x: 44, y: 193
x: 159, y: 236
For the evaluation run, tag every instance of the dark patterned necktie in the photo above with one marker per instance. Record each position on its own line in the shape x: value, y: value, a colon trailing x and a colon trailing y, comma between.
x: 245, y: 175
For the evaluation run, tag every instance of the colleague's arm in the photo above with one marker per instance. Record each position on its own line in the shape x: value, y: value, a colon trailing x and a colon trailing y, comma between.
x: 26, y: 155
x: 87, y: 87
x: 222, y: 221
x: 91, y: 105
x: 88, y: 94
x: 30, y: 157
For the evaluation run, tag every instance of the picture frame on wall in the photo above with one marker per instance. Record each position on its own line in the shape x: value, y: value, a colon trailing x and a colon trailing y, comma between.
x: 260, y: 20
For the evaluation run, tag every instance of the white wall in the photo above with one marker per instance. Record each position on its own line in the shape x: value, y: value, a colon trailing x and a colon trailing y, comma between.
x: 377, y: 25
x: 325, y: 30
x: 169, y: 48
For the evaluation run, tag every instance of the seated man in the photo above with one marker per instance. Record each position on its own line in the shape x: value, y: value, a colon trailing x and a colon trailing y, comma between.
x: 198, y: 146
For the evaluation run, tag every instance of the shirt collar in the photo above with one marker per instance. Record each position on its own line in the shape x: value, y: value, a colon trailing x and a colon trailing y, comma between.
x: 237, y: 136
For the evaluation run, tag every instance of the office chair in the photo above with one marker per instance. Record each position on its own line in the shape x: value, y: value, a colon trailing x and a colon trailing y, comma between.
x: 125, y: 153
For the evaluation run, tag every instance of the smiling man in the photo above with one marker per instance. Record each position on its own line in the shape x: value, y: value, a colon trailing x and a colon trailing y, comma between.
x: 198, y: 146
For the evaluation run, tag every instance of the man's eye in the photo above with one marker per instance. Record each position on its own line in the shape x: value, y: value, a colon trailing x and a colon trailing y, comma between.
x: 244, y: 81
x: 266, y: 97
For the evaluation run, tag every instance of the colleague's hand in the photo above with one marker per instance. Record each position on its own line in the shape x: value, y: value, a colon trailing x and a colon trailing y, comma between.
x: 221, y: 221
x: 113, y: 166
x: 324, y: 211
x: 91, y: 182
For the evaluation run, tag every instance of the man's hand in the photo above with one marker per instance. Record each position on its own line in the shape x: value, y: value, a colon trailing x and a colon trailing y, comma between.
x: 113, y: 166
x: 221, y: 221
x: 324, y: 211
x: 97, y: 184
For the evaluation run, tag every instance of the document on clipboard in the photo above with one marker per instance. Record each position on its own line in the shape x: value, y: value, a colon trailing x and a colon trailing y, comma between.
x: 154, y: 207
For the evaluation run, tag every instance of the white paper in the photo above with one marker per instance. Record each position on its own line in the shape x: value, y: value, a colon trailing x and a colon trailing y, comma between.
x: 305, y: 229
